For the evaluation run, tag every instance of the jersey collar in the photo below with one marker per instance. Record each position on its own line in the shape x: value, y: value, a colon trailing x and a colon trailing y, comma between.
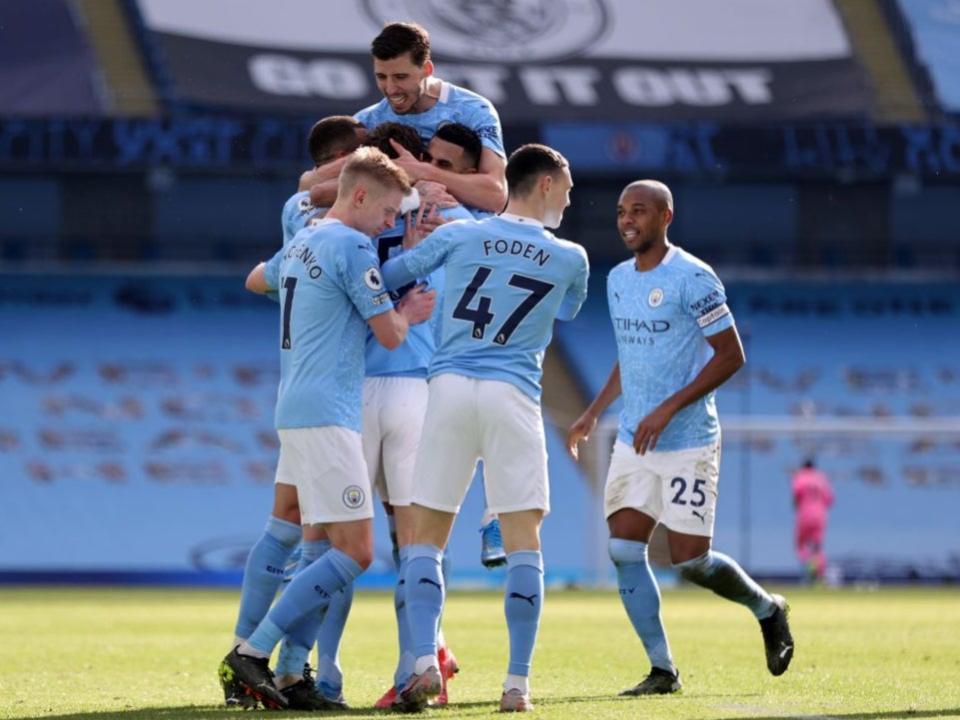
x: 521, y: 220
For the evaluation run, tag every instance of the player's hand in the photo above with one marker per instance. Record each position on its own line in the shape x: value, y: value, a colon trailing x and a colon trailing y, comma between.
x: 414, y: 168
x: 417, y: 305
x: 420, y: 224
x: 435, y: 193
x: 580, y: 431
x: 649, y: 429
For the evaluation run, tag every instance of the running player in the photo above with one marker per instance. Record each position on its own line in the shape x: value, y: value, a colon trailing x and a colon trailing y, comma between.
x: 507, y: 279
x: 330, y: 289
x: 677, y: 343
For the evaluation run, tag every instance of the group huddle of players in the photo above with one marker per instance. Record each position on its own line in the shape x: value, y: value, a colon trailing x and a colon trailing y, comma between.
x: 418, y: 284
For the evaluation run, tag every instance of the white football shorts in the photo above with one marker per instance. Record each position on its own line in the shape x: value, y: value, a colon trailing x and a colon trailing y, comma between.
x: 678, y: 488
x: 326, y: 464
x: 469, y: 419
x: 393, y: 412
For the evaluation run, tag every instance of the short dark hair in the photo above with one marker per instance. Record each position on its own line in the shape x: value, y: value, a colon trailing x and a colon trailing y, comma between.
x: 333, y: 136
x: 407, y: 136
x: 465, y: 137
x: 528, y: 162
x: 402, y: 37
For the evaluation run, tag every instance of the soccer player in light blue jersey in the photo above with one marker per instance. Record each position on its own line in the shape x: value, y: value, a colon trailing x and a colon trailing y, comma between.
x: 506, y: 280
x: 394, y: 403
x: 676, y: 343
x: 330, y: 138
x: 413, y: 96
x: 330, y: 290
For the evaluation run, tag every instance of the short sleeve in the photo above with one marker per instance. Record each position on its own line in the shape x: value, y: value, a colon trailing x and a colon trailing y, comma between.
x: 486, y: 123
x: 705, y: 301
x: 360, y: 278
x: 271, y: 270
x: 577, y: 291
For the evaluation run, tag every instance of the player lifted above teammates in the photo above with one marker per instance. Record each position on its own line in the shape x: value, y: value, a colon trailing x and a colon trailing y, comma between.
x: 676, y: 342
x: 507, y: 280
x: 330, y: 289
x: 413, y: 96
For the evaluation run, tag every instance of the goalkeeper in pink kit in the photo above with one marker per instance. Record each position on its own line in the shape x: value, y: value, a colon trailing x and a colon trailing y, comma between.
x: 812, y: 497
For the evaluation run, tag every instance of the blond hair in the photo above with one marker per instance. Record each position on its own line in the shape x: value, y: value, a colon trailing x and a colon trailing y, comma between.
x: 369, y: 163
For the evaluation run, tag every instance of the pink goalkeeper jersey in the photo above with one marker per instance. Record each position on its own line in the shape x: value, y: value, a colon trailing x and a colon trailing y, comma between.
x: 812, y: 494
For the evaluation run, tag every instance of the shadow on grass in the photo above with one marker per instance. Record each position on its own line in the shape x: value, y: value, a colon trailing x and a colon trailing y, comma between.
x: 220, y: 713
x: 879, y: 715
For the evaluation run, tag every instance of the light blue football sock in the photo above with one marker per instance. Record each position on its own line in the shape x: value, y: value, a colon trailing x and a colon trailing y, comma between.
x: 424, y: 597
x: 295, y: 648
x: 329, y: 674
x: 264, y: 572
x: 523, y: 603
x: 721, y: 573
x: 641, y: 599
x: 406, y: 657
x: 309, y: 592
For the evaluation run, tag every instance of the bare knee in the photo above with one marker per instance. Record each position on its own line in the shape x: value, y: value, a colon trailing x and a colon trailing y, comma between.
x: 629, y: 524
x: 285, y: 503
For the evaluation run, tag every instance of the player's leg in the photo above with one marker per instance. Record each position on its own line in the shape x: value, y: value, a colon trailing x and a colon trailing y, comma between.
x: 690, y: 480
x: 446, y: 459
x: 515, y: 470
x: 294, y: 676
x: 492, y: 553
x: 333, y: 489
x: 263, y: 572
x: 633, y: 502
x: 523, y: 602
x: 817, y: 558
x: 394, y: 409
x: 262, y: 575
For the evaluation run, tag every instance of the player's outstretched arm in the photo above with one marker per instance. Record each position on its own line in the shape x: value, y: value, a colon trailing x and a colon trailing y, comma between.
x: 585, y: 424
x: 390, y: 328
x: 727, y: 358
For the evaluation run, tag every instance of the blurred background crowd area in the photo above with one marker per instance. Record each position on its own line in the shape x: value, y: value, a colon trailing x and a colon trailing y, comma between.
x: 147, y: 147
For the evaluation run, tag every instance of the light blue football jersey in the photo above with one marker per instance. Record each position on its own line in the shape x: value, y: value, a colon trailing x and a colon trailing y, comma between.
x: 412, y: 358
x: 507, y: 280
x: 330, y: 285
x: 455, y: 104
x: 298, y: 212
x: 661, y: 319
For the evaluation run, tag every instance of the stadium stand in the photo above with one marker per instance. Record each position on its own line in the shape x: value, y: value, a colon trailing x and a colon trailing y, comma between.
x: 820, y: 139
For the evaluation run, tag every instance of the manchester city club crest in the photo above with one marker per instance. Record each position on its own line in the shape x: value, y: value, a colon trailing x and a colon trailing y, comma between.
x: 511, y: 31
x: 655, y: 297
x: 353, y: 496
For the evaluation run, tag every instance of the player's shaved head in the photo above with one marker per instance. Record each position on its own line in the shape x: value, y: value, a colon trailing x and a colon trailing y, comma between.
x: 333, y: 137
x: 654, y: 190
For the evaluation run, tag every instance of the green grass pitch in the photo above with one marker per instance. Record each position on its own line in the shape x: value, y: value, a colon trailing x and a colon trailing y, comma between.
x: 102, y: 653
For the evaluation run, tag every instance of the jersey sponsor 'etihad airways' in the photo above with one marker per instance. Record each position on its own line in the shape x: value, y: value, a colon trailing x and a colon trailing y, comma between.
x: 661, y: 318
